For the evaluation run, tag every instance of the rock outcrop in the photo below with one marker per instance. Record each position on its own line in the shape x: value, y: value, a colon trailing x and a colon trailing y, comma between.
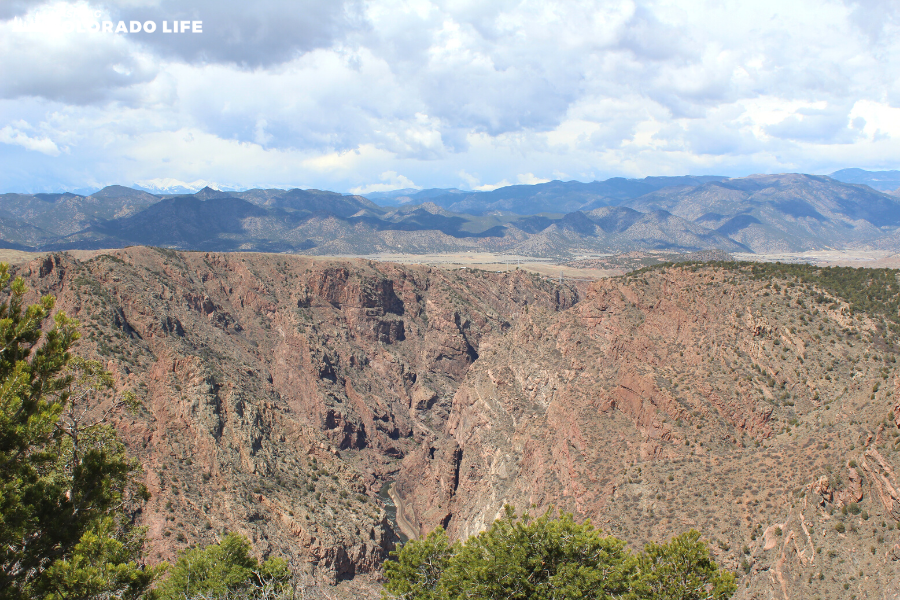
x: 674, y: 399
x: 280, y: 392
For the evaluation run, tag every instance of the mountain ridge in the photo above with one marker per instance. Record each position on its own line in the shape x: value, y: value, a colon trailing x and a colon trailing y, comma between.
x: 759, y: 213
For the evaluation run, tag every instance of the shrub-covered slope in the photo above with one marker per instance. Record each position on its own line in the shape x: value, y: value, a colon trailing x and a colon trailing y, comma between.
x: 755, y: 403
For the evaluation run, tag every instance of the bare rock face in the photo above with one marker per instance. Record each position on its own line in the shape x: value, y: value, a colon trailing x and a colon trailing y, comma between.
x: 884, y: 481
x: 822, y: 491
x: 280, y: 392
x: 675, y: 399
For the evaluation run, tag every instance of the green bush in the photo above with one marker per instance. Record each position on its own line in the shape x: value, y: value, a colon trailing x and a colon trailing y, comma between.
x: 222, y: 570
x: 543, y: 558
x: 418, y: 566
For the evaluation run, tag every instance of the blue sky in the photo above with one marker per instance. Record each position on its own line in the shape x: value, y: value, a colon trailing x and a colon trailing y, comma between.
x: 376, y: 95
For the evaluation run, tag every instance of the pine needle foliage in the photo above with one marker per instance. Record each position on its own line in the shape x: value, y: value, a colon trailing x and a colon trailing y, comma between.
x: 66, y: 482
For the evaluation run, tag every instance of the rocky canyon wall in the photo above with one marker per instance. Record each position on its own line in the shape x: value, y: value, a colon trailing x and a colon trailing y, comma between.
x: 280, y: 393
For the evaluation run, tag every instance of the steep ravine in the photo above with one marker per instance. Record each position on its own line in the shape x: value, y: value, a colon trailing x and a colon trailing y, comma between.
x: 395, y: 508
x: 763, y: 413
x: 280, y: 392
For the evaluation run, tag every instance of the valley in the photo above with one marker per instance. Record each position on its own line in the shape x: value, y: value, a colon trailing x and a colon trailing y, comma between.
x: 430, y: 300
x: 280, y: 393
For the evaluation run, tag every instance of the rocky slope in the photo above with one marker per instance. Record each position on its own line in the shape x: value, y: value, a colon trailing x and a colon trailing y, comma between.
x: 281, y: 393
x: 765, y: 415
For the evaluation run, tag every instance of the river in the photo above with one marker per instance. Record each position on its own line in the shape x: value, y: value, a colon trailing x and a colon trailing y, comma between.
x: 394, y: 512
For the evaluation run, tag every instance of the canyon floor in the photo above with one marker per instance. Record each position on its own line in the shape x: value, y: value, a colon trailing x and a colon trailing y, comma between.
x: 280, y: 394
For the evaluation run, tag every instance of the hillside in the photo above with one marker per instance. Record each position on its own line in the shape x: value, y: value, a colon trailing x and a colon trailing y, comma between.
x: 280, y: 392
x: 784, y: 213
x: 758, y: 408
x: 755, y: 403
x: 761, y: 213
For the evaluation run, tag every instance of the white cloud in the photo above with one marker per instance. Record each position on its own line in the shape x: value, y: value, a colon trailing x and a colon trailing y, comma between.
x: 44, y: 145
x: 471, y: 181
x: 393, y: 181
x: 878, y: 119
x: 489, y: 187
x: 445, y: 91
x: 530, y: 179
x: 47, y: 61
x: 474, y: 183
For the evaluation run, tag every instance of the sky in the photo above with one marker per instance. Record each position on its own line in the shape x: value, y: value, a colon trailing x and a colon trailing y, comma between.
x: 361, y: 96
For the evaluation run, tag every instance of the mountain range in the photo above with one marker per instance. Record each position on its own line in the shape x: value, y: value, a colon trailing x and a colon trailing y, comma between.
x: 759, y: 213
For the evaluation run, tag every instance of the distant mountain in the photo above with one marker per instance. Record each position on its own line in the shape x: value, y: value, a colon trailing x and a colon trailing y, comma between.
x: 885, y: 181
x: 760, y: 213
x: 17, y: 234
x: 174, y: 186
x: 259, y: 196
x: 182, y: 222
x: 782, y: 213
x: 111, y: 192
x: 409, y: 196
x: 318, y: 201
x: 620, y: 229
x: 389, y: 198
x: 561, y: 196
x: 65, y: 214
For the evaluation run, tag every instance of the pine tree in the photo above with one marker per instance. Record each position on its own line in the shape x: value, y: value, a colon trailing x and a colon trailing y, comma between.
x: 682, y: 569
x: 65, y: 479
x: 416, y: 572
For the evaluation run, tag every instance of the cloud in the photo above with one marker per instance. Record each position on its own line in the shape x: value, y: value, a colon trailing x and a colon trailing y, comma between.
x: 394, y: 181
x: 489, y: 187
x: 15, y: 8
x: 336, y: 94
x: 530, y: 179
x: 471, y: 181
x: 828, y: 125
x: 876, y: 119
x: 44, y: 145
x: 41, y: 59
x: 874, y: 17
x: 249, y: 34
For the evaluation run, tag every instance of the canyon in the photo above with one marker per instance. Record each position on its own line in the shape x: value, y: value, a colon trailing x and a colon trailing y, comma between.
x: 281, y: 393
